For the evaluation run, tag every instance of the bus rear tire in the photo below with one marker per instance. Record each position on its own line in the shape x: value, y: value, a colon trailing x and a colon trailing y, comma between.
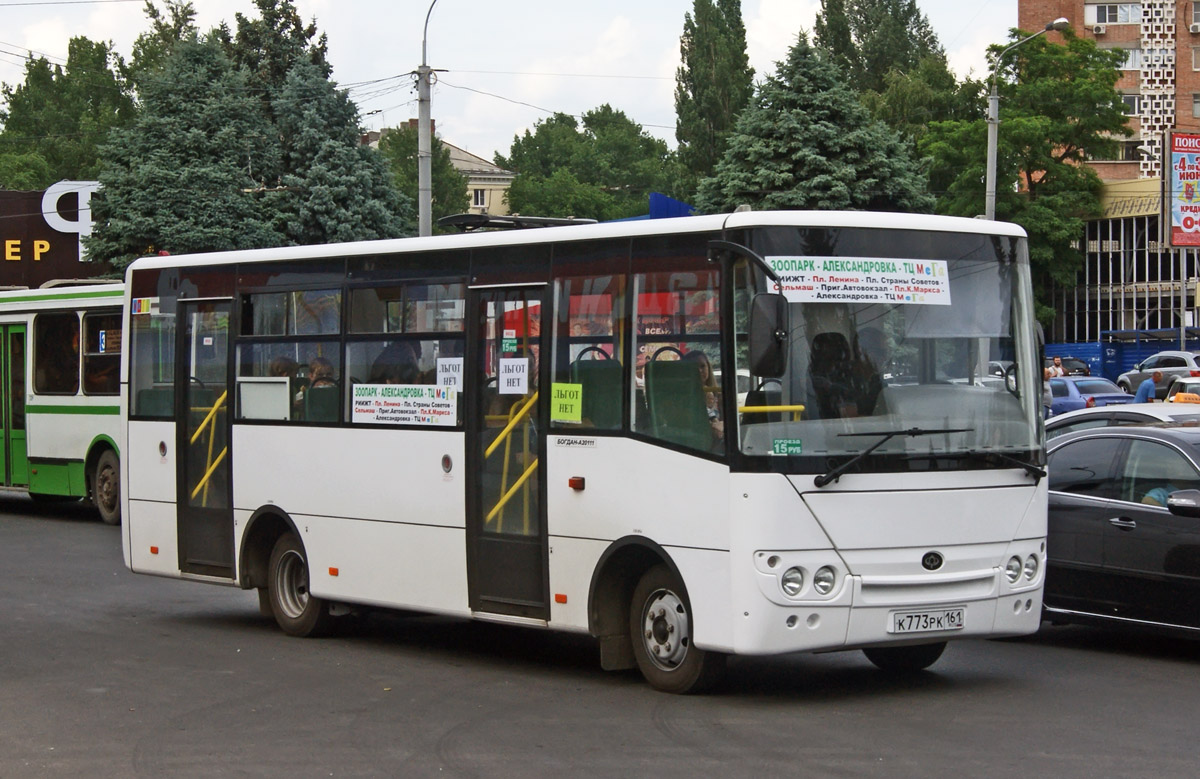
x: 297, y: 612
x: 660, y: 628
x: 905, y: 659
x: 106, y: 487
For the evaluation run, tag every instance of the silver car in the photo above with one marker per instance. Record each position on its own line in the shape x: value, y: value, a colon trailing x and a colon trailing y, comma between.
x: 1172, y: 365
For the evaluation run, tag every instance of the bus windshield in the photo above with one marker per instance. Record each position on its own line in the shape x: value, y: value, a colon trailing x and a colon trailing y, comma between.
x: 892, y: 330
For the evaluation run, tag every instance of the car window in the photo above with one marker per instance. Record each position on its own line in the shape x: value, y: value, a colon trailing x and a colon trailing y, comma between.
x: 1096, y: 386
x: 1152, y: 471
x: 1074, y: 364
x: 1151, y: 362
x: 1083, y: 424
x: 1171, y: 362
x: 1058, y: 388
x: 1083, y: 467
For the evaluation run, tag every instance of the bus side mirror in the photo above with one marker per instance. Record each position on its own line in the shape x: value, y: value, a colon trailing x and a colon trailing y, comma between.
x: 768, y: 335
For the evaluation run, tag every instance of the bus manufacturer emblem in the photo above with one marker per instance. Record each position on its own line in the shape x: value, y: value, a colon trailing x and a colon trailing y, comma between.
x: 931, y: 561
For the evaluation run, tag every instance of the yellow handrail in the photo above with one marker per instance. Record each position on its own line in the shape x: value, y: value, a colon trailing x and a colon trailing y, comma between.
x: 203, y: 483
x: 796, y: 410
x: 512, y: 491
x: 211, y: 414
x: 511, y: 424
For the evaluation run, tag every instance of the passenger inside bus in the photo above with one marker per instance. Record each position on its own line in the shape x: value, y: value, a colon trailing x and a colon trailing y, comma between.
x: 396, y: 364
x: 318, y: 402
x: 830, y: 376
x: 712, y: 407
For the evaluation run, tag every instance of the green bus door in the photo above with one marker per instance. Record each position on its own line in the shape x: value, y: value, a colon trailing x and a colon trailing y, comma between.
x: 12, y: 397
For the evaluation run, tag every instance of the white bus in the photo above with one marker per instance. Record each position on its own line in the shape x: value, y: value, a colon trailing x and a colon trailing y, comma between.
x: 60, y: 356
x: 528, y: 427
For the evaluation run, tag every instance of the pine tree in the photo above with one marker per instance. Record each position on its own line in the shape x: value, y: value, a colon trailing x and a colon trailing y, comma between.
x: 868, y: 39
x: 805, y: 141
x: 713, y: 85
x: 179, y: 179
x: 336, y: 189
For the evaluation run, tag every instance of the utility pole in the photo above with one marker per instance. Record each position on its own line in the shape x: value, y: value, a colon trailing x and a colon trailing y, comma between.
x: 424, y: 138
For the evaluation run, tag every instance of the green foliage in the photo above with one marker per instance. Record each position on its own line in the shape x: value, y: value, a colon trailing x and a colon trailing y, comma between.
x: 1058, y: 107
x: 151, y: 49
x: 868, y: 39
x: 713, y: 85
x: 805, y: 141
x: 61, y: 115
x: 27, y: 171
x: 605, y: 169
x: 911, y: 100
x: 399, y: 148
x: 269, y: 46
x: 335, y: 189
x: 176, y: 180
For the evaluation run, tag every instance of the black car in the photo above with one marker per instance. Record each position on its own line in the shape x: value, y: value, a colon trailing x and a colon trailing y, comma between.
x: 1123, y: 544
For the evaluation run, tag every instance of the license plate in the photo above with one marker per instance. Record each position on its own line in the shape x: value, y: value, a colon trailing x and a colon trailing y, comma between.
x: 926, y: 621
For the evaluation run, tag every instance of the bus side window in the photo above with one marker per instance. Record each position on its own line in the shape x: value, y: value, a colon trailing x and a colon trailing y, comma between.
x: 587, y: 354
x: 101, y: 353
x: 56, y: 354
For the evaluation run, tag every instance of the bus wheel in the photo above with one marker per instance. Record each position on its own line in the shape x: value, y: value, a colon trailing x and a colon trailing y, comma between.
x: 660, y: 627
x: 905, y: 658
x: 296, y: 611
x: 106, y: 487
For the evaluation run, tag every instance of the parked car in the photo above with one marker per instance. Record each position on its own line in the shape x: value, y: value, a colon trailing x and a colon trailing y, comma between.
x: 1184, y: 386
x: 1123, y: 541
x: 1069, y: 393
x: 1172, y: 364
x: 1073, y: 366
x: 1120, y: 415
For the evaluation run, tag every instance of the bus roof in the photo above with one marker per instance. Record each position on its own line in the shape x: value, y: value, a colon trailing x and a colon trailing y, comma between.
x: 586, y: 232
x: 80, y: 292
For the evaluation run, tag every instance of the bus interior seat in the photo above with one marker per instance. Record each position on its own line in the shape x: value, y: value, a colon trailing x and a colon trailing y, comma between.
x: 156, y: 402
x: 678, y: 411
x: 600, y: 383
x: 321, y: 403
x: 762, y: 397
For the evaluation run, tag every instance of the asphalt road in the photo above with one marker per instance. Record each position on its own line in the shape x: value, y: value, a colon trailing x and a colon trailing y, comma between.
x: 107, y: 674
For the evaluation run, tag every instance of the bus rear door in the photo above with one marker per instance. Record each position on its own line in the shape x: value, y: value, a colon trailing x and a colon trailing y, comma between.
x: 13, y: 452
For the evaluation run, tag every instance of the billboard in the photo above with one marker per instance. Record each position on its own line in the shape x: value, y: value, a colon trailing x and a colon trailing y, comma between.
x: 40, y: 234
x: 1183, y: 189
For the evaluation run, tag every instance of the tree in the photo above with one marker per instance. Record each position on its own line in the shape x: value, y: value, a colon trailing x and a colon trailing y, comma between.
x: 152, y: 49
x: 608, y: 167
x: 334, y: 189
x: 712, y: 86
x: 911, y: 100
x: 181, y: 177
x: 805, y: 141
x: 1059, y: 107
x: 868, y: 39
x: 268, y: 48
x: 399, y: 148
x: 61, y: 115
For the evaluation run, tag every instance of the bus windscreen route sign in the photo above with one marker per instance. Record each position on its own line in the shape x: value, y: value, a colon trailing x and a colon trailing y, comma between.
x: 404, y: 404
x: 1183, y: 193
x: 862, y: 280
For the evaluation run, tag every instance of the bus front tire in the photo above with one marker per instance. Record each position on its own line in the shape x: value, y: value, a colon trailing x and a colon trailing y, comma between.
x: 905, y: 659
x: 660, y: 628
x: 297, y: 612
x: 106, y: 487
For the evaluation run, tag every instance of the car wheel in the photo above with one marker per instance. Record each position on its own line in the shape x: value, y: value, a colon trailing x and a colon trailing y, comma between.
x: 106, y: 487
x: 660, y: 627
x: 1124, y: 388
x: 298, y: 612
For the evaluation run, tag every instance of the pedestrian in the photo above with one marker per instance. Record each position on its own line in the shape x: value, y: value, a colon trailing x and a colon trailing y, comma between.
x: 1148, y: 389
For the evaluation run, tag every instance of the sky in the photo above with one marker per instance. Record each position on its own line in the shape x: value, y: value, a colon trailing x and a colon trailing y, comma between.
x: 505, y: 65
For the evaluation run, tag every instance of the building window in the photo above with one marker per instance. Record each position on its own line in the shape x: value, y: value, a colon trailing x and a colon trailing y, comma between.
x: 1112, y: 13
x: 1133, y: 59
x: 1196, y: 105
x: 1132, y: 104
x: 1195, y: 13
x: 1196, y: 58
x: 480, y: 199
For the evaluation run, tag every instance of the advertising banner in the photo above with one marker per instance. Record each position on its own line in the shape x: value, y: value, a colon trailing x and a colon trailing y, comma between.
x: 1183, y: 183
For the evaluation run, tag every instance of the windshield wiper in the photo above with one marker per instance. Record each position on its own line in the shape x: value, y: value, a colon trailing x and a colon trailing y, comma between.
x: 912, y: 432
x: 1036, y: 471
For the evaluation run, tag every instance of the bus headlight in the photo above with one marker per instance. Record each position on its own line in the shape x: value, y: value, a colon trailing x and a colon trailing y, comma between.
x: 823, y: 580
x: 1031, y: 567
x: 792, y: 582
x: 1013, y: 569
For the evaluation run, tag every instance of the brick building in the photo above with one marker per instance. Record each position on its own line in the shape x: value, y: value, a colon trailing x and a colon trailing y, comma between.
x: 1131, y: 280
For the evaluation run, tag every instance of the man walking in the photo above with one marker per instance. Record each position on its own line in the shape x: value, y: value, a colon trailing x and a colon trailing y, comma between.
x: 1147, y: 389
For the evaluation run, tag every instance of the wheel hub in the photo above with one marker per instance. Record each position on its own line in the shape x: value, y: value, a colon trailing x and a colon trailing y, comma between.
x: 292, y: 584
x: 665, y: 629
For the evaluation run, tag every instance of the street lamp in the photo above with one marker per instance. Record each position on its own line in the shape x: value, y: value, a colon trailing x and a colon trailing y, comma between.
x: 993, y: 118
x: 424, y: 140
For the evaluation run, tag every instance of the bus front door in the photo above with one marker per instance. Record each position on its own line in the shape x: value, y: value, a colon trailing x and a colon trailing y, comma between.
x: 506, y: 528
x: 13, y: 453
x: 204, y: 500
